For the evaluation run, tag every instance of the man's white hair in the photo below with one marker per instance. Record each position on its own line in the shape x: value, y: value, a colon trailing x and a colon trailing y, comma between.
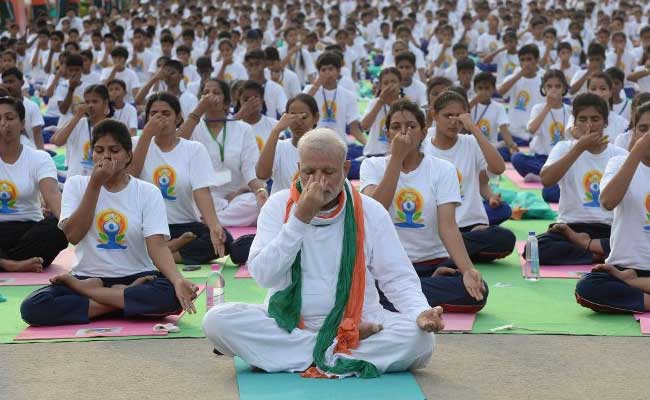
x: 323, y: 140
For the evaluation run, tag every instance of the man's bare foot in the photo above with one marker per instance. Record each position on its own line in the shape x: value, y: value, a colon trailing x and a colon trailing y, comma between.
x: 180, y: 242
x: 479, y: 228
x: 34, y: 264
x: 143, y: 279
x: 580, y: 239
x: 445, y: 271
x: 367, y: 329
x: 624, y: 275
x: 78, y: 285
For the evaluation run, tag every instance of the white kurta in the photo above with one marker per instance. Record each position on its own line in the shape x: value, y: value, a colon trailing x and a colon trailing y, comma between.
x: 276, y: 244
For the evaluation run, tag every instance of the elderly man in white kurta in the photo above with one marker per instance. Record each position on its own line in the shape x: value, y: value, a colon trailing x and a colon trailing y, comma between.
x: 320, y: 248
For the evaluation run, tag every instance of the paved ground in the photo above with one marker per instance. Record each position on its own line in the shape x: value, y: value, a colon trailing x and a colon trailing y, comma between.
x: 464, y: 367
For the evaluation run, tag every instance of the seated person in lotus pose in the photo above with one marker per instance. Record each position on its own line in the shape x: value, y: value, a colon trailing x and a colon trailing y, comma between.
x: 304, y: 313
x: 119, y: 226
x: 279, y: 158
x: 421, y: 194
x: 28, y: 241
x: 472, y: 155
x: 623, y: 283
x: 581, y: 234
x: 178, y: 168
x: 234, y: 154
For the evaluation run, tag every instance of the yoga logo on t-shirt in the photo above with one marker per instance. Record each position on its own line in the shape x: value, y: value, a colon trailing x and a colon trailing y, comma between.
x: 460, y: 183
x: 522, y: 100
x: 165, y: 178
x: 87, y: 158
x: 591, y: 185
x: 383, y: 138
x: 408, y: 208
x: 447, y: 62
x: 556, y: 131
x: 260, y: 142
x: 111, y: 226
x: 8, y: 197
x: 509, y: 68
x: 647, y: 213
x: 484, y: 126
x: 329, y: 111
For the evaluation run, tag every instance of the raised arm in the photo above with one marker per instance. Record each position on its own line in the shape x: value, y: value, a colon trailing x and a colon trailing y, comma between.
x: 75, y: 82
x: 612, y: 193
x: 495, y: 163
x: 264, y: 167
x: 154, y: 126
x: 509, y: 83
x: 61, y: 135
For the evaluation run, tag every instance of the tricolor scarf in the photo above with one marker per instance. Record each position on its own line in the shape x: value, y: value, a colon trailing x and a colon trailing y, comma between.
x: 342, y: 323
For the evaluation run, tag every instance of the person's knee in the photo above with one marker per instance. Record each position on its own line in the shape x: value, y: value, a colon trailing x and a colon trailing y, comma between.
x: 34, y: 309
x: 586, y: 289
x: 551, y: 194
x: 518, y: 160
x: 217, y: 323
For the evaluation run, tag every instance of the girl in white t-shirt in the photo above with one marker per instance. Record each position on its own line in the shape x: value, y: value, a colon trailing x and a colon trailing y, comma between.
x: 626, y: 140
x: 581, y: 234
x: 178, y: 168
x: 623, y: 283
x: 234, y: 153
x: 374, y: 121
x: 250, y: 109
x: 29, y: 241
x: 547, y: 124
x: 421, y: 194
x: 279, y: 158
x: 119, y: 226
x: 473, y: 156
x: 76, y: 135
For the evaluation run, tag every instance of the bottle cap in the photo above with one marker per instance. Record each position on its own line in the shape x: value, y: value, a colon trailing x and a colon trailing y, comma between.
x: 531, y: 233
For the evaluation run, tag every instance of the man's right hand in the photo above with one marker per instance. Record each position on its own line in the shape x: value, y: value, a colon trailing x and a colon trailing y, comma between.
x: 312, y: 199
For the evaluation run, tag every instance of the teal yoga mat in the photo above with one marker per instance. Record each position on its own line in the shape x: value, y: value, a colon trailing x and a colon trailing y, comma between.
x: 286, y: 386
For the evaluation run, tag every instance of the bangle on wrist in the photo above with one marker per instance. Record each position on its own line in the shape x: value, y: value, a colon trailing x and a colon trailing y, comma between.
x: 262, y: 189
x: 195, y: 116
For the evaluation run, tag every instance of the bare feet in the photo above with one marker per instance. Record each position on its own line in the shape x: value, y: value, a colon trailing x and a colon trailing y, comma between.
x: 445, y: 271
x: 624, y: 275
x: 367, y: 329
x: 180, y: 242
x: 581, y: 239
x: 143, y: 279
x: 34, y: 264
x: 479, y: 228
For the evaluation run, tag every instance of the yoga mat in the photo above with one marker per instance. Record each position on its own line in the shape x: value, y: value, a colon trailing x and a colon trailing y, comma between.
x: 62, y: 264
x: 554, y: 206
x: 287, y: 386
x: 645, y: 325
x: 519, y: 181
x: 555, y: 271
x: 109, y: 327
x: 243, y: 272
x: 238, y: 231
x: 458, y: 322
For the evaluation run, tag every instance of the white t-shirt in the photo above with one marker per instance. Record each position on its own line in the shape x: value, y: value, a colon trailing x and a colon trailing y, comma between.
x: 262, y: 130
x: 628, y: 61
x: 377, y: 139
x: 580, y: 186
x: 630, y: 239
x: 623, y: 140
x: 275, y: 99
x: 523, y: 96
x: 59, y: 94
x: 129, y: 77
x: 569, y: 73
x: 506, y: 65
x: 78, y: 151
x: 289, y: 82
x: 552, y: 129
x: 643, y: 83
x: 233, y: 72
x: 240, y: 154
x: 177, y: 174
x: 141, y: 69
x: 414, y: 209
x: 576, y: 77
x: 301, y: 63
x: 33, y: 118
x: 114, y: 246
x: 19, y: 190
x: 489, y: 118
x: 128, y: 115
x: 488, y: 43
x: 416, y: 92
x: 338, y: 108
x: 285, y: 165
x: 469, y: 161
x: 623, y: 108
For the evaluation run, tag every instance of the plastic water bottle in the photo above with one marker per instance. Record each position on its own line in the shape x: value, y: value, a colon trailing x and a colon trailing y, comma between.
x: 214, y: 288
x: 531, y: 271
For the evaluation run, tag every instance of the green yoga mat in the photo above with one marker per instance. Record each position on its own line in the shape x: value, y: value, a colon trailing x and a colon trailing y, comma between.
x: 283, y: 386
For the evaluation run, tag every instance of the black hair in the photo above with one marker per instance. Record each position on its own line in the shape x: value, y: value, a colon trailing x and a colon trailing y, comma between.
x: 13, y: 71
x: 596, y: 49
x: 87, y: 53
x: 175, y: 64
x: 73, y: 44
x: 557, y: 74
x: 406, y: 105
x: 438, y: 81
x: 485, y: 77
x: 466, y: 64
x: 329, y: 58
x: 166, y: 39
x: 165, y: 97
x: 405, y: 56
x: 225, y: 89
x: 183, y: 49
x: 271, y: 54
x: 255, y: 55
x: 531, y: 49
x: 608, y: 81
x: 17, y: 105
x: 117, y: 82
x: 459, y: 46
x: 101, y: 91
x: 58, y: 34
x: 74, y: 60
x: 641, y: 109
x: 120, y: 51
x: 615, y: 74
x: 115, y: 129
x: 564, y: 46
x: 307, y: 100
x: 448, y: 97
x: 203, y: 62
x: 586, y: 100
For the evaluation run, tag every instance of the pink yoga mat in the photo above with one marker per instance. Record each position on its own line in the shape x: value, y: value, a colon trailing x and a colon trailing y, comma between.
x: 237, y: 231
x: 62, y: 264
x: 555, y: 271
x: 519, y: 181
x: 458, y: 322
x: 243, y: 272
x: 102, y: 328
x: 554, y: 206
x: 644, y: 322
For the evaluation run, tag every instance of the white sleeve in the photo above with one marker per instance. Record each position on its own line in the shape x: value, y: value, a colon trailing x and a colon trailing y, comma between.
x: 558, y: 151
x: 448, y: 187
x: 613, y: 166
x: 132, y: 123
x: 276, y: 244
x: 352, y: 110
x: 72, y: 194
x: 45, y: 167
x: 534, y: 113
x: 200, y: 176
x: 281, y: 101
x: 250, y: 154
x: 372, y: 171
x: 502, y: 117
x: 154, y: 213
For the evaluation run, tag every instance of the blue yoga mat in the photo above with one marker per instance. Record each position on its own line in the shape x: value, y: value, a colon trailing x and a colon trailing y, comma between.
x: 286, y: 386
